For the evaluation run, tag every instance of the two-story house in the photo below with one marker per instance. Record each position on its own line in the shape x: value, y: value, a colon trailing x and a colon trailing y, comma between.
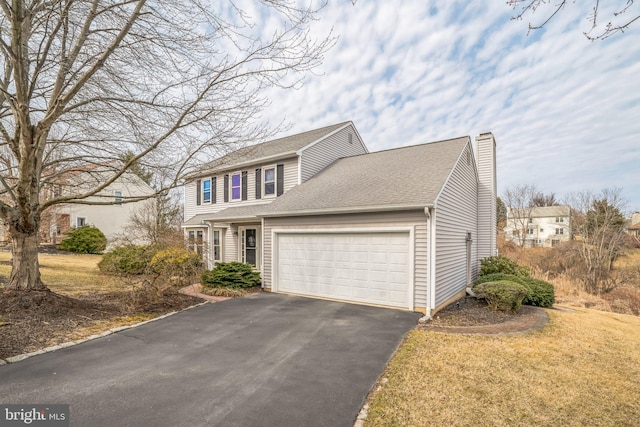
x: 320, y: 216
x: 541, y: 226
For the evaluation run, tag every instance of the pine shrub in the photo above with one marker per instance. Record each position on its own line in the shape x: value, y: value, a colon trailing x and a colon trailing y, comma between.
x: 84, y: 240
x: 231, y: 275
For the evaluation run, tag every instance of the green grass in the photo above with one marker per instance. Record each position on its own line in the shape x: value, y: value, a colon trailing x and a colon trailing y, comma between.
x: 71, y: 275
x: 583, y: 368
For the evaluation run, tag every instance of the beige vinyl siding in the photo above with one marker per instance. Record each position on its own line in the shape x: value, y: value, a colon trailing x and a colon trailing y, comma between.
x: 415, y: 219
x: 191, y: 208
x: 327, y: 151
x: 486, y: 195
x: 230, y: 244
x: 456, y: 214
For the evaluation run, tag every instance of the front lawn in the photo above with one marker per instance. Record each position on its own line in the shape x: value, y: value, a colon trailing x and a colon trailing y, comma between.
x: 583, y: 368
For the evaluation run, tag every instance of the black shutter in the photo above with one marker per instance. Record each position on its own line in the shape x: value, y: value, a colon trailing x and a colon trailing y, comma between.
x: 226, y: 188
x: 198, y: 192
x: 280, y: 179
x: 213, y: 189
x: 258, y: 183
x: 244, y: 185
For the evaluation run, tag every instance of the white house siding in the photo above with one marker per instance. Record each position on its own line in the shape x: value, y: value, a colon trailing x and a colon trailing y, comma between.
x: 191, y: 208
x: 415, y: 219
x: 110, y: 219
x: 456, y: 214
x: 486, y: 195
x: 327, y: 151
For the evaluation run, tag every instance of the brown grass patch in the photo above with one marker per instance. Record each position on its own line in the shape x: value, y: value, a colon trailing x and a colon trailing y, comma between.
x: 71, y: 274
x: 581, y: 369
x: 82, y: 302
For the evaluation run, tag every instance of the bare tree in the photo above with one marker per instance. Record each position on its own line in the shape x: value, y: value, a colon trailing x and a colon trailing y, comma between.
x: 599, y: 224
x: 541, y: 199
x: 519, y: 200
x: 618, y: 22
x: 172, y: 82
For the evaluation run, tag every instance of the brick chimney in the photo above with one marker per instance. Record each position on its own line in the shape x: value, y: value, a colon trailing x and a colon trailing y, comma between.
x: 487, y: 192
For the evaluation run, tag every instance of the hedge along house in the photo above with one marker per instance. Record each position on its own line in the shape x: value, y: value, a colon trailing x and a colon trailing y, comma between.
x: 402, y: 228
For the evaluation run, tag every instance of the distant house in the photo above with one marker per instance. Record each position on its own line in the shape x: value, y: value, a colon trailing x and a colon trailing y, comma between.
x: 634, y: 225
x: 538, y: 226
x: 320, y: 216
x: 109, y: 213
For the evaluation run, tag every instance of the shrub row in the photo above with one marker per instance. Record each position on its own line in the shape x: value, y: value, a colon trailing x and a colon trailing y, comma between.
x: 149, y: 259
x: 501, y: 281
x: 539, y: 292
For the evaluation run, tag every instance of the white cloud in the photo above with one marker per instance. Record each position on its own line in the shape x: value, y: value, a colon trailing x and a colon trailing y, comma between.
x: 564, y: 110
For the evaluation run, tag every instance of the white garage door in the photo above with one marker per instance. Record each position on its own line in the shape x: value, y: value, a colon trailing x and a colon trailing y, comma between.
x: 371, y: 268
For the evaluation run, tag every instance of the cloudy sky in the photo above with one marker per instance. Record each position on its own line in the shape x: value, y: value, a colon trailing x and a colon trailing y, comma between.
x: 565, y: 111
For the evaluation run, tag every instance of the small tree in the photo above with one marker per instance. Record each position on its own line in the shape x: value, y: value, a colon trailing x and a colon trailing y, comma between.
x: 599, y: 225
x: 520, y: 202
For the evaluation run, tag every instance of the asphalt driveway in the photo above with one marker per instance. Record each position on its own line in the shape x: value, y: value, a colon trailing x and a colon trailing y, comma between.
x: 264, y: 360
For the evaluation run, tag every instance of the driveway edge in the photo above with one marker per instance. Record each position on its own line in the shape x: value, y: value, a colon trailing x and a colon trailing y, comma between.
x: 20, y: 357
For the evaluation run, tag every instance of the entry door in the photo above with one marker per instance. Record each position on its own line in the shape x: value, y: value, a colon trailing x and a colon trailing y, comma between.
x: 249, y: 246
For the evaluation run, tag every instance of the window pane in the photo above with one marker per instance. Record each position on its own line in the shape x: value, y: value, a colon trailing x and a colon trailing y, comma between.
x: 235, y: 193
x: 206, y: 185
x: 269, y: 188
x: 269, y: 175
x: 235, y: 180
x: 216, y: 237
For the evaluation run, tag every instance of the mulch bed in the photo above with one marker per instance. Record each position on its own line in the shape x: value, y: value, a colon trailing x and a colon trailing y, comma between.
x: 469, y: 311
x: 36, y: 319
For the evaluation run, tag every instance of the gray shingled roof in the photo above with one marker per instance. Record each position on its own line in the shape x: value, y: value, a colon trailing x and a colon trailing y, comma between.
x: 403, y: 177
x: 281, y: 146
x: 232, y: 213
x: 541, y: 212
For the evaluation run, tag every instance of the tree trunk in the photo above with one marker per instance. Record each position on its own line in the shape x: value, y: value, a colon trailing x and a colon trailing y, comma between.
x: 25, y: 271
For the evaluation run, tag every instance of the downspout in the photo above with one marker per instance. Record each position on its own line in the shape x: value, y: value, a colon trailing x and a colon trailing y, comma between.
x: 431, y: 261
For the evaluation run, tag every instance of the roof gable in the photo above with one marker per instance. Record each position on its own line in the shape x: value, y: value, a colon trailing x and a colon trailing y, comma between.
x: 271, y: 150
x: 403, y: 177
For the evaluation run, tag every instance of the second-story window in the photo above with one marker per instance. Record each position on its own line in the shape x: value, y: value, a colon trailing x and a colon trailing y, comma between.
x: 206, y: 191
x: 559, y: 230
x: 270, y: 181
x: 236, y: 186
x: 117, y: 195
x: 559, y: 219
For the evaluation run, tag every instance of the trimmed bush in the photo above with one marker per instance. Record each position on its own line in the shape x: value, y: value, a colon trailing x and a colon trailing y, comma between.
x: 231, y: 275
x: 503, y: 295
x: 84, y: 240
x: 539, y: 292
x: 127, y: 259
x: 502, y: 264
x: 175, y: 261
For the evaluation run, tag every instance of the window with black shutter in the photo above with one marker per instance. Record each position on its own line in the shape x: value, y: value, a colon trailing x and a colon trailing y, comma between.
x: 244, y: 185
x: 280, y: 179
x: 226, y: 188
x: 258, y: 183
x: 214, y: 189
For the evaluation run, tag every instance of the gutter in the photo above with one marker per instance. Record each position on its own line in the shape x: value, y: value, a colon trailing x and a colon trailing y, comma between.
x: 345, y: 210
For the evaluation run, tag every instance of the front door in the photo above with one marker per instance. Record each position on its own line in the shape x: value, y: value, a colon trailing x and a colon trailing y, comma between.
x: 249, y: 246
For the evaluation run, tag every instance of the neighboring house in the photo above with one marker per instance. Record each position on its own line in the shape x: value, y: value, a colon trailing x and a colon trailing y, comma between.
x: 543, y: 226
x: 634, y: 225
x: 320, y: 216
x: 111, y: 218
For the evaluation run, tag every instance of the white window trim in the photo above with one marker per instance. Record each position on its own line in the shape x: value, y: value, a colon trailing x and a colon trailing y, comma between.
x: 231, y: 199
x: 275, y: 181
x: 84, y: 220
x: 220, y: 244
x: 210, y: 191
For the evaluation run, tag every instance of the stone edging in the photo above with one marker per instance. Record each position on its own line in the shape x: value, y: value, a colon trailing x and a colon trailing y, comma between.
x: 536, y: 319
x: 19, y: 357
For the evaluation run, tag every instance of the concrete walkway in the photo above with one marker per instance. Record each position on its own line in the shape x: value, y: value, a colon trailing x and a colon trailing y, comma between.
x: 262, y: 360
